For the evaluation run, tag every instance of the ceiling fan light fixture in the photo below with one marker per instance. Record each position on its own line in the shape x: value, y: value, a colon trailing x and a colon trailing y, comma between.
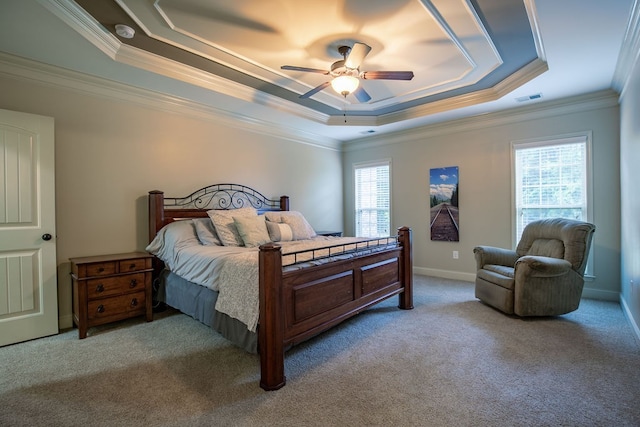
x: 345, y: 85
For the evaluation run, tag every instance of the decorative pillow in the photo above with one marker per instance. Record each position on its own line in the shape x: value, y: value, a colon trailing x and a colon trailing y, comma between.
x: 226, y: 228
x: 299, y: 226
x: 252, y: 230
x: 206, y: 233
x: 274, y: 216
x: 279, y: 232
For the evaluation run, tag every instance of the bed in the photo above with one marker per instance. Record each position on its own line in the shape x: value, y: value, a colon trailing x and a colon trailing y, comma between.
x: 292, y: 283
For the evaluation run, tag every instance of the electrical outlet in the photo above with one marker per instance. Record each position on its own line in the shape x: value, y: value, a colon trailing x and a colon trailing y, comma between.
x: 455, y: 254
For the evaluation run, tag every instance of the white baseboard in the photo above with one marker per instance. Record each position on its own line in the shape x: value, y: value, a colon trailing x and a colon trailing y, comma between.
x: 629, y: 315
x: 600, y: 294
x: 445, y: 274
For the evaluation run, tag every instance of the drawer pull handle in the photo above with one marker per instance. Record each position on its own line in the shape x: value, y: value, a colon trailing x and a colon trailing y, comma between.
x: 133, y: 283
x: 100, y: 270
x: 134, y: 302
x: 100, y: 309
x: 100, y: 288
x: 132, y: 266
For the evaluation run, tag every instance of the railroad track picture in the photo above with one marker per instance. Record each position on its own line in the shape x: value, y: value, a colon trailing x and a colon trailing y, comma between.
x: 444, y: 190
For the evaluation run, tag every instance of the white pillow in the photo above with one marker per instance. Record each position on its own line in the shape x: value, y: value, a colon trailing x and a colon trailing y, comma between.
x: 279, y: 232
x: 206, y: 233
x: 226, y: 228
x: 252, y: 230
x: 171, y: 238
x: 299, y: 226
x: 274, y: 216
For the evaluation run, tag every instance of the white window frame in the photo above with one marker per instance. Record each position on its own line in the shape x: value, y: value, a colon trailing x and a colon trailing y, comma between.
x: 580, y: 137
x: 366, y: 165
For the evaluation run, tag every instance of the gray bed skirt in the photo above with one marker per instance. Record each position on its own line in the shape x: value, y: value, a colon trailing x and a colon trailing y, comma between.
x: 199, y: 302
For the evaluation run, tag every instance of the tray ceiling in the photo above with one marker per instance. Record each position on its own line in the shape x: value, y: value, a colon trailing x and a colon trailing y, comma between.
x: 461, y: 52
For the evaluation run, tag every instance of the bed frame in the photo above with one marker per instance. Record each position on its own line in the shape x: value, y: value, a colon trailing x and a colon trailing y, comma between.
x: 297, y: 304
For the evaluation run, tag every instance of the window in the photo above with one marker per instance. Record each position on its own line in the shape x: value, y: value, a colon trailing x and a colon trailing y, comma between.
x: 552, y: 179
x: 372, y: 199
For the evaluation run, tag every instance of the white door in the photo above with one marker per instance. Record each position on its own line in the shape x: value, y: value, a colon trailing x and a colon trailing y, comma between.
x: 28, y: 285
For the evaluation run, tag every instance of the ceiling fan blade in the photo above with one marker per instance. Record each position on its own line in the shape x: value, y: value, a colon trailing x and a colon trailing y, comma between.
x: 315, y: 90
x: 387, y: 75
x: 305, y: 69
x: 361, y: 94
x: 358, y: 52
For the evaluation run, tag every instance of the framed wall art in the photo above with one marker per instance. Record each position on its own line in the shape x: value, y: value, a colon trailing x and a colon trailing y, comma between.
x: 444, y: 191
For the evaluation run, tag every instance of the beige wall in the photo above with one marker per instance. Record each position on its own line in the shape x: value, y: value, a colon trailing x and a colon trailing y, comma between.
x: 110, y: 153
x: 480, y: 147
x: 629, y: 179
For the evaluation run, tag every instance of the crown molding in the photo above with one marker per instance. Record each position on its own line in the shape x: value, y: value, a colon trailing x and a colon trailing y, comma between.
x: 23, y: 69
x: 629, y: 52
x: 534, y: 21
x: 84, y: 24
x: 581, y: 103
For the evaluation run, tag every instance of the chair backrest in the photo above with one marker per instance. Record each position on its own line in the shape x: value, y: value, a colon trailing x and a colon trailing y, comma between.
x: 558, y: 238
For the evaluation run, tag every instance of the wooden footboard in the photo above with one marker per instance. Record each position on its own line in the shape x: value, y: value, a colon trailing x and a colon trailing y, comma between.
x: 296, y: 305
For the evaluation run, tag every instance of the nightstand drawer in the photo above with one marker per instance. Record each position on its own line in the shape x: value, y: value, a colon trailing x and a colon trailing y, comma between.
x: 100, y: 269
x: 114, y: 285
x: 134, y: 265
x: 114, y: 306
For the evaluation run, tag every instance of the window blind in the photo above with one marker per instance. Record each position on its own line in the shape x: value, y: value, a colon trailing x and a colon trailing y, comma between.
x: 551, y: 181
x: 372, y: 200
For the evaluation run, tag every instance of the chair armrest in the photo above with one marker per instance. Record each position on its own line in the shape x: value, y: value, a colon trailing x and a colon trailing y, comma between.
x: 542, y: 266
x: 496, y: 256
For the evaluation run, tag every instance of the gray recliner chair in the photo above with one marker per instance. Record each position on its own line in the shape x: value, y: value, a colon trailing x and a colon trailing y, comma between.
x: 544, y: 276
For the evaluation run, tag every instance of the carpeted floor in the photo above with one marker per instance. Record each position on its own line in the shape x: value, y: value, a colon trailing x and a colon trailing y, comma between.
x: 451, y: 361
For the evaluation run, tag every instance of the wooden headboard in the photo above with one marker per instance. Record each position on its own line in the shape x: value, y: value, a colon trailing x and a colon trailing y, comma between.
x: 164, y: 210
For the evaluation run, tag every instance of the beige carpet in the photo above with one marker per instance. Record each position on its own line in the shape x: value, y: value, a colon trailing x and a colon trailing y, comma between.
x: 451, y: 361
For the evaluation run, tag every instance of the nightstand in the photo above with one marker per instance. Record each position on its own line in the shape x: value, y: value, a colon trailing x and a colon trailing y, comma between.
x: 329, y: 233
x: 109, y: 288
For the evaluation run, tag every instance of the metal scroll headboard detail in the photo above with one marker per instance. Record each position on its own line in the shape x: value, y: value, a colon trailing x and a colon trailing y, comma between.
x: 223, y: 196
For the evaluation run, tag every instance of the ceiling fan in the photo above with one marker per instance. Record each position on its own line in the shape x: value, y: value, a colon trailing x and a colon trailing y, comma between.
x: 346, y: 73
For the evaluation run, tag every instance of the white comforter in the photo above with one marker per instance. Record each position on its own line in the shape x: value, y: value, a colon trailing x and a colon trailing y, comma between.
x: 233, y: 272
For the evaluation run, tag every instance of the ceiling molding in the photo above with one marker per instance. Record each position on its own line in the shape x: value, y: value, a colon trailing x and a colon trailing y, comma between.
x: 534, y: 21
x: 541, y: 110
x: 629, y: 52
x: 79, y: 20
x: 26, y: 70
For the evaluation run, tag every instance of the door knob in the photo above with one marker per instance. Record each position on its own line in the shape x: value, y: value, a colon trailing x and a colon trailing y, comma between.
x: 46, y: 236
